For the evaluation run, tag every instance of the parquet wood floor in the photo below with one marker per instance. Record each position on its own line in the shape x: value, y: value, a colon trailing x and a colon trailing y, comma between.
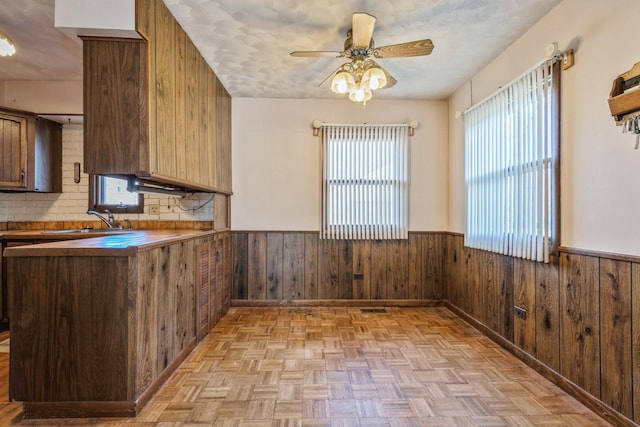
x: 264, y: 367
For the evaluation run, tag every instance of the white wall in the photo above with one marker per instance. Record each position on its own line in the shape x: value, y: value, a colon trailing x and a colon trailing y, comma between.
x: 72, y: 203
x: 115, y: 18
x: 276, y: 159
x: 600, y: 169
x: 43, y: 97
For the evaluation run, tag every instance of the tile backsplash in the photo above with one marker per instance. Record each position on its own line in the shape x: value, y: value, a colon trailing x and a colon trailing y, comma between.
x: 72, y: 203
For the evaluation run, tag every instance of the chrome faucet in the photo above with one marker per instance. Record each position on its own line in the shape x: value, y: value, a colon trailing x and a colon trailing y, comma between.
x: 108, y: 222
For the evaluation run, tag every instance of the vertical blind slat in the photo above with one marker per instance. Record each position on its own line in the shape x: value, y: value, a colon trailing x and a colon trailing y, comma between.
x: 365, y: 182
x: 509, y: 168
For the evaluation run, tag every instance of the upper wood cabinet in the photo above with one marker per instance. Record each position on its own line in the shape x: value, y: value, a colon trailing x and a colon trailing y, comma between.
x: 154, y: 108
x: 30, y: 153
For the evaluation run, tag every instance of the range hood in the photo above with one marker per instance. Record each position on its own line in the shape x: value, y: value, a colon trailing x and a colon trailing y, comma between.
x: 135, y: 185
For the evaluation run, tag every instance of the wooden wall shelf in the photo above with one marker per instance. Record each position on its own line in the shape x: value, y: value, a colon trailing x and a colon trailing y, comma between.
x: 625, y: 94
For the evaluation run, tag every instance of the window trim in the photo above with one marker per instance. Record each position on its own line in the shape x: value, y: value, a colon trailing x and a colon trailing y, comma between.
x: 94, y: 198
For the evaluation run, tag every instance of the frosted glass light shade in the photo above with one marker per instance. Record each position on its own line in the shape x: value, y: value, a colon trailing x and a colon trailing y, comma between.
x: 360, y: 94
x: 343, y: 82
x: 7, y: 47
x: 374, y: 78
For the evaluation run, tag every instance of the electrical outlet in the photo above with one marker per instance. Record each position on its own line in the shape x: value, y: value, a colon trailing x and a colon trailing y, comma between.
x: 520, y: 312
x: 154, y: 209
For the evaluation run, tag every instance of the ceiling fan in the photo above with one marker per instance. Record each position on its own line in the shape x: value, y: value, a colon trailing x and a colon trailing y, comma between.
x: 362, y: 75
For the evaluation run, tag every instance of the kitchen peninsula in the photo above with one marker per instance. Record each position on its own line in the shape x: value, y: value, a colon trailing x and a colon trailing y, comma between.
x: 99, y: 324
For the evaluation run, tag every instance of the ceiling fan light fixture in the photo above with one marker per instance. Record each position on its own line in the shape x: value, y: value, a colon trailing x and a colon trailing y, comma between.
x: 360, y: 94
x: 374, y: 78
x: 343, y: 82
x: 7, y: 48
x: 362, y: 75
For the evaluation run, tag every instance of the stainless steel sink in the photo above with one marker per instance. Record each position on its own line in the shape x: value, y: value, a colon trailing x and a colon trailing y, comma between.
x: 90, y: 231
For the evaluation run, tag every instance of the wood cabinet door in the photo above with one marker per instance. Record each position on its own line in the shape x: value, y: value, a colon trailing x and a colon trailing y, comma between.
x: 203, y: 284
x: 165, y: 93
x: 192, y: 152
x: 223, y: 139
x: 13, y: 150
x: 213, y: 288
x: 226, y: 279
x: 115, y: 107
x: 46, y: 173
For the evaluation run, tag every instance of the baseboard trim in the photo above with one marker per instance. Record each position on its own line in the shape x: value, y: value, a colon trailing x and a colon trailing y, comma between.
x: 596, y: 405
x: 337, y: 303
x: 144, y: 398
x: 78, y: 409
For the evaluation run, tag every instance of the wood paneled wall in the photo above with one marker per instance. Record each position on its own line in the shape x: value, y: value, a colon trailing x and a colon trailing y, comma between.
x: 579, y: 308
x: 579, y: 312
x: 285, y: 266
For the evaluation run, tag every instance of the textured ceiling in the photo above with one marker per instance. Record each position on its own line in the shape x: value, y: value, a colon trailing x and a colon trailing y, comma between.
x: 42, y: 51
x: 247, y: 42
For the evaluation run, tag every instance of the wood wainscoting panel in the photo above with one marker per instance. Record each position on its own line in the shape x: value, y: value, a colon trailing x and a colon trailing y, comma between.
x: 293, y: 266
x: 547, y: 307
x: 379, y: 269
x: 474, y: 286
x: 524, y: 297
x: 468, y: 277
x: 491, y: 285
x: 362, y: 266
x: 329, y: 254
x: 432, y: 260
x: 228, y: 269
x: 311, y: 266
x: 257, y: 266
x: 290, y: 265
x: 453, y: 270
x: 635, y: 338
x: 274, y: 266
x: 345, y: 269
x: 417, y: 265
x: 398, y: 273
x: 505, y: 280
x: 615, y: 335
x: 240, y: 265
x: 580, y: 322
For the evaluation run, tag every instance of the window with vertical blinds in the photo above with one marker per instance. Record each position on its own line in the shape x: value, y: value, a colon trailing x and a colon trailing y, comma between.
x: 512, y: 167
x: 365, y: 181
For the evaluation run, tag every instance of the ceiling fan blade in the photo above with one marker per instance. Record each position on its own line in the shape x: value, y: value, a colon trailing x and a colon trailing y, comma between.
x: 317, y: 54
x: 415, y: 48
x: 391, y: 82
x: 362, y: 28
x: 330, y: 76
